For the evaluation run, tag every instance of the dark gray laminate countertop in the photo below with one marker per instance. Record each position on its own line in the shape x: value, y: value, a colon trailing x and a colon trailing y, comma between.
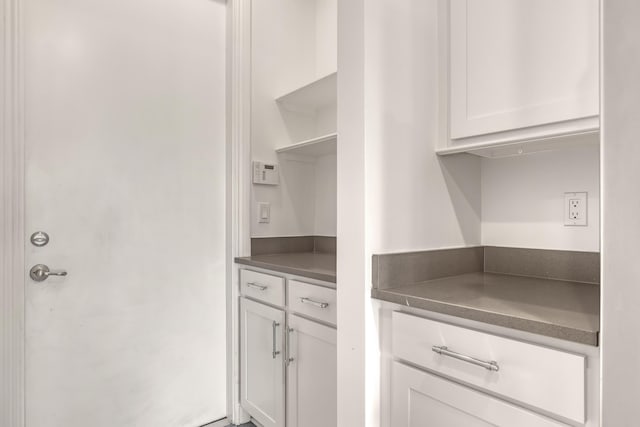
x: 314, y: 265
x: 554, y: 308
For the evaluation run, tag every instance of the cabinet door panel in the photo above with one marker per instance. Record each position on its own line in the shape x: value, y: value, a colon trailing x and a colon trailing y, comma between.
x: 518, y: 64
x: 312, y: 374
x: 420, y: 399
x: 262, y: 372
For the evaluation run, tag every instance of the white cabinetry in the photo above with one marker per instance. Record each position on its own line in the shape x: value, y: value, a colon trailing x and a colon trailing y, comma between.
x: 524, y: 372
x: 445, y: 375
x: 312, y: 374
x: 262, y: 366
x: 522, y: 70
x: 305, y: 345
x: 420, y: 399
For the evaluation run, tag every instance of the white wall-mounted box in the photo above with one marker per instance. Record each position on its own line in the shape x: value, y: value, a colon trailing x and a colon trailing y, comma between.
x: 266, y: 173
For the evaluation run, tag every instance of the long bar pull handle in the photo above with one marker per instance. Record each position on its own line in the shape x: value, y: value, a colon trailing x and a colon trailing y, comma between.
x: 444, y: 351
x: 256, y: 286
x: 274, y: 352
x: 289, y: 339
x: 314, y: 303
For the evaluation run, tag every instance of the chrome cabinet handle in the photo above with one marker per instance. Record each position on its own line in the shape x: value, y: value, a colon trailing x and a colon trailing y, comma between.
x: 41, y: 272
x: 314, y: 303
x: 274, y: 352
x: 256, y: 286
x: 444, y: 351
x: 288, y: 354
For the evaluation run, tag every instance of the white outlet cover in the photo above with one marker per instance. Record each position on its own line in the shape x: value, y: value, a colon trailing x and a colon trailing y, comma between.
x: 575, y: 209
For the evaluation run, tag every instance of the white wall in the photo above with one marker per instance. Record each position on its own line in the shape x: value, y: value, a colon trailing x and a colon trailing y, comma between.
x: 325, y: 192
x: 523, y: 200
x: 394, y: 193
x: 415, y: 199
x: 326, y: 36
x: 293, y: 43
x: 620, y: 337
x: 280, y: 63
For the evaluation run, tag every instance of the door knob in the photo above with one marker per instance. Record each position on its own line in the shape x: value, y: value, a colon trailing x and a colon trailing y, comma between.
x: 41, y: 272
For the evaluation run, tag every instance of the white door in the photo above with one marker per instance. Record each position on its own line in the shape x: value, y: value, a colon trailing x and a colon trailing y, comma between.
x: 419, y: 399
x: 125, y: 148
x: 312, y: 374
x: 262, y: 362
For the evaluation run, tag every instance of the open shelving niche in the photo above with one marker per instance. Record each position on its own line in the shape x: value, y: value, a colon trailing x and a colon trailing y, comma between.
x: 310, y: 98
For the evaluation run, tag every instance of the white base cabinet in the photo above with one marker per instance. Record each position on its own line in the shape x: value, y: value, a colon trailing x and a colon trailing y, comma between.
x: 288, y: 369
x: 419, y: 399
x: 261, y: 361
x: 311, y: 374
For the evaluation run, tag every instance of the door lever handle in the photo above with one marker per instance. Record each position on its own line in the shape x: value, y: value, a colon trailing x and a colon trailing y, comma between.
x: 41, y: 272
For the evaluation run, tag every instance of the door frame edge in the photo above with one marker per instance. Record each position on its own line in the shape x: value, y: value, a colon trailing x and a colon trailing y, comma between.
x: 12, y: 162
x: 238, y: 185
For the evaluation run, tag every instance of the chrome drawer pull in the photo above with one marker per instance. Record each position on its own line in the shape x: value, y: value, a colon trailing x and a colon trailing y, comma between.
x: 314, y: 303
x: 256, y: 286
x: 444, y: 351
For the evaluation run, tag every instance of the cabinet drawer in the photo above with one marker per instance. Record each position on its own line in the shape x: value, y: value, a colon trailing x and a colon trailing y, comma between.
x: 263, y: 287
x: 314, y: 301
x: 548, y: 379
x: 421, y: 399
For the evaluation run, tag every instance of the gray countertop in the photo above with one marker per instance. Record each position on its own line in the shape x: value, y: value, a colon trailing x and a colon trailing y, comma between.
x: 555, y: 308
x: 314, y: 265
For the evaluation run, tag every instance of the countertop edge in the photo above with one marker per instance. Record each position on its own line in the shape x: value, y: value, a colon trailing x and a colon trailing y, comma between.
x: 284, y: 269
x: 527, y: 325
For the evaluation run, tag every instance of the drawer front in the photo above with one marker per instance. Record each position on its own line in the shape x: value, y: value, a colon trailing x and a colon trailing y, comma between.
x: 420, y: 399
x: 548, y: 379
x: 313, y: 301
x: 263, y: 287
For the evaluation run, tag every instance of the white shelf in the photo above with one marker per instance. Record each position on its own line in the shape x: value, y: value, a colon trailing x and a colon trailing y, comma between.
x: 315, y: 147
x: 317, y: 94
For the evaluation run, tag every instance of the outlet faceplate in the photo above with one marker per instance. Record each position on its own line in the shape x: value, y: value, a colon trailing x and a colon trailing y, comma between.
x: 575, y: 209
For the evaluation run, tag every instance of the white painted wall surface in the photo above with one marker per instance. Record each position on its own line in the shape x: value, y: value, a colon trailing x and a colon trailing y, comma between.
x: 357, y: 367
x: 621, y: 208
x: 416, y: 200
x: 523, y: 200
x: 389, y: 175
x: 125, y: 139
x: 325, y: 192
x: 293, y: 43
x: 326, y: 36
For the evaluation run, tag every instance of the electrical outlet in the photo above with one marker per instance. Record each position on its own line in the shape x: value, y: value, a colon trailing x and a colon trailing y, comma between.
x: 575, y: 209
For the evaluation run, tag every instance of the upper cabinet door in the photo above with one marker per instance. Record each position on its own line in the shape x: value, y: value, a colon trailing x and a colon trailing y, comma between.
x: 521, y: 64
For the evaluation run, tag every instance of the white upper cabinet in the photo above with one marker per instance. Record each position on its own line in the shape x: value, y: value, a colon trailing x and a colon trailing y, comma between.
x: 522, y: 70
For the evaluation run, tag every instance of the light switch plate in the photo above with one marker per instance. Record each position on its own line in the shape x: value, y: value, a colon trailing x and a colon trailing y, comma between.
x: 264, y: 212
x: 575, y: 209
